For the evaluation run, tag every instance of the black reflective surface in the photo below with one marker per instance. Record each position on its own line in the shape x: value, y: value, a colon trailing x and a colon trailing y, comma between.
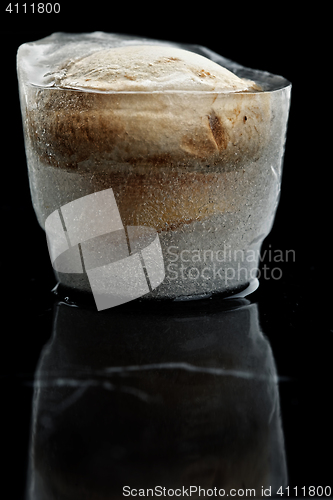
x: 174, y: 398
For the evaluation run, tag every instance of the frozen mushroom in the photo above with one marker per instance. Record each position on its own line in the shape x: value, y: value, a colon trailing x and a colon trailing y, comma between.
x: 190, y: 143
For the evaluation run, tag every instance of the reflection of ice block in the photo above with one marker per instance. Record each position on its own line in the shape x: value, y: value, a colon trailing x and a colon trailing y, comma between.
x: 196, y: 383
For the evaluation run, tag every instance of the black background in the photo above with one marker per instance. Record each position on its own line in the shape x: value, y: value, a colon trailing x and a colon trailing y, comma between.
x: 294, y: 311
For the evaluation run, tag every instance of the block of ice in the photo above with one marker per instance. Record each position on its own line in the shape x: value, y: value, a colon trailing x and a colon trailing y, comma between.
x: 190, y: 143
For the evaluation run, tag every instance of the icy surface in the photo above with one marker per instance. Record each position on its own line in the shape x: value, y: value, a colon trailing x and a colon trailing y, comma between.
x: 42, y: 62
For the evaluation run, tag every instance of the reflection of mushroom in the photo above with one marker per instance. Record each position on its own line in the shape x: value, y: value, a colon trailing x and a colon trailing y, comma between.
x: 177, y: 397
